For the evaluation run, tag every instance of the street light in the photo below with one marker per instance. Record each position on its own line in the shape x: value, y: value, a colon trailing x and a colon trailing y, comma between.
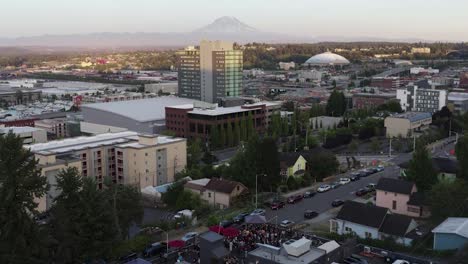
x: 167, y: 240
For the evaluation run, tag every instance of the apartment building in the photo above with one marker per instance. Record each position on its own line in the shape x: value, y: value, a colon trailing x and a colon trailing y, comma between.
x: 125, y: 157
x: 212, y: 71
x: 413, y: 98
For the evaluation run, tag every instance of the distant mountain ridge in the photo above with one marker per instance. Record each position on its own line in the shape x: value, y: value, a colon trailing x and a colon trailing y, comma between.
x: 224, y: 28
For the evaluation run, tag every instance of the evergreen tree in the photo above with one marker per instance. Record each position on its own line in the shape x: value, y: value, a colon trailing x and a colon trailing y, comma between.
x: 243, y: 129
x: 194, y: 152
x: 214, y: 137
x: 336, y: 105
x: 237, y: 133
x: 83, y: 220
x: 222, y: 136
x: 250, y: 126
x: 420, y: 170
x: 230, y: 135
x: 461, y: 150
x: 21, y: 240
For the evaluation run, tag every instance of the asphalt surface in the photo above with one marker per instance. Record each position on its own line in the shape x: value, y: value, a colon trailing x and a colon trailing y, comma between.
x: 321, y: 202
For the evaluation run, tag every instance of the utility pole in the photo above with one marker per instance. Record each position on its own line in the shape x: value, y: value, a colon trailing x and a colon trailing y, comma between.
x: 414, y: 142
x: 256, y: 190
x: 390, y: 148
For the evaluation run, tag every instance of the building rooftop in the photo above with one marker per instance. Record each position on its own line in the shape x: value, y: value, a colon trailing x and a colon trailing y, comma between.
x: 413, y: 116
x: 143, y: 110
x: 279, y: 255
x: 395, y: 186
x: 453, y: 225
x: 123, y: 139
x: 457, y: 96
x: 396, y: 225
x: 221, y: 185
x: 19, y: 130
x: 363, y: 214
x: 327, y: 58
x: 220, y: 110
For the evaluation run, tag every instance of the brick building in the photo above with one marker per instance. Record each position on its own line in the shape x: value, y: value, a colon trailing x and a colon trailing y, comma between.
x: 369, y: 100
x: 194, y: 121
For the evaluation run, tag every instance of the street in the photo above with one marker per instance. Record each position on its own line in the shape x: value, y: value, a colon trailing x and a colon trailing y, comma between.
x: 321, y: 202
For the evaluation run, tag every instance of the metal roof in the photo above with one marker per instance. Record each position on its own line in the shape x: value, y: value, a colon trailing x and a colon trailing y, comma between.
x: 414, y: 116
x: 143, y: 110
x: 453, y: 225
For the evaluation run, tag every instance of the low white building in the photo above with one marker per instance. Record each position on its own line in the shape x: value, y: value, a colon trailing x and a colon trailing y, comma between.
x: 421, y: 70
x: 286, y: 66
x: 407, y: 124
x: 30, y: 135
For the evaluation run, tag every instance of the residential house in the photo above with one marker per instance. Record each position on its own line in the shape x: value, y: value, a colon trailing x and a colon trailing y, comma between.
x: 217, y: 192
x: 373, y: 222
x: 292, y: 164
x: 451, y: 234
x: 401, y: 197
x: 446, y: 168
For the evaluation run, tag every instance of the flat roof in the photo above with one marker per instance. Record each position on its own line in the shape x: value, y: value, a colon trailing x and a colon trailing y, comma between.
x: 457, y: 96
x: 414, y: 116
x: 283, y: 257
x: 221, y: 110
x: 18, y: 130
x: 142, y: 110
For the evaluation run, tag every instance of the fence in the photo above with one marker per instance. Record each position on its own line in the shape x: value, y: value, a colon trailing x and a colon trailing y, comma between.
x: 390, y: 256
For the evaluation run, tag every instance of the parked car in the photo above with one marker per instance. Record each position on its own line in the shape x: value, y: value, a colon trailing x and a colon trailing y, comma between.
x: 158, y: 248
x: 189, y: 237
x: 286, y: 223
x: 355, y: 177
x: 380, y: 168
x: 294, y: 199
x: 337, y: 203
x: 240, y: 217
x: 374, y: 170
x: 309, y: 214
x: 129, y: 257
x: 309, y: 194
x: 277, y: 205
x: 323, y: 188
x: 362, y: 192
x: 371, y: 186
x: 344, y: 181
x: 335, y: 185
x: 226, y: 223
x: 258, y: 212
x: 364, y: 173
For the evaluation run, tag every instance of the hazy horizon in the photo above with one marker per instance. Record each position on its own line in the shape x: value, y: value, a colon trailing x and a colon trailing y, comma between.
x: 416, y: 19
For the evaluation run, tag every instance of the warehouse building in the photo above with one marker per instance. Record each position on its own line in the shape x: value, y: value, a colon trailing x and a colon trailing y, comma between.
x: 143, y: 116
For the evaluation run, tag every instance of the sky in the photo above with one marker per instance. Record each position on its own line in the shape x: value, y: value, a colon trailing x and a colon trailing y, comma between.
x: 424, y: 19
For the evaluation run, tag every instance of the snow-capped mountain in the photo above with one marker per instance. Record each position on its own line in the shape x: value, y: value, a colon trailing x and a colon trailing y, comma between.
x: 226, y: 24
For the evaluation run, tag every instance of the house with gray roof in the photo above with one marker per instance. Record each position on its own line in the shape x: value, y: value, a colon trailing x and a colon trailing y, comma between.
x: 451, y: 234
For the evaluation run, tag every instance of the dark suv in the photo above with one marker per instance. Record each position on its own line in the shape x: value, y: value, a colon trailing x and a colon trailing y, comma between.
x: 276, y: 205
x: 155, y: 249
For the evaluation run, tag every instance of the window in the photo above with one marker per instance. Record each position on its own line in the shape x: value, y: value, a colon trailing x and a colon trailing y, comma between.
x: 238, y: 187
x: 394, y: 205
x: 209, y: 195
x: 368, y: 235
x: 348, y: 229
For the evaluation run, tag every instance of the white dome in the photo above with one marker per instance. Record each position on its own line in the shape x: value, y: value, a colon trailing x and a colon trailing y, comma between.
x: 327, y: 58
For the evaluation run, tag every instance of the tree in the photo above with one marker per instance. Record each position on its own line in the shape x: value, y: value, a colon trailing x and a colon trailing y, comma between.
x: 322, y: 164
x: 336, y: 105
x: 20, y: 182
x: 449, y: 199
x: 83, y: 219
x: 420, y: 170
x: 194, y: 152
x: 375, y: 145
x: 268, y: 163
x: 127, y: 206
x: 461, y: 150
x: 230, y: 135
x: 222, y: 136
x: 215, y: 137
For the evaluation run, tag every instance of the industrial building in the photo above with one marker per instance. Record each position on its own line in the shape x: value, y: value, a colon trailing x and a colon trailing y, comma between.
x: 29, y: 135
x: 126, y: 158
x: 143, y: 116
x: 407, y: 124
x: 371, y: 100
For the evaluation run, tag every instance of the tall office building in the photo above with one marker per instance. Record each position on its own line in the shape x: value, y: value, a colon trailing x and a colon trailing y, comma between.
x: 211, y: 72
